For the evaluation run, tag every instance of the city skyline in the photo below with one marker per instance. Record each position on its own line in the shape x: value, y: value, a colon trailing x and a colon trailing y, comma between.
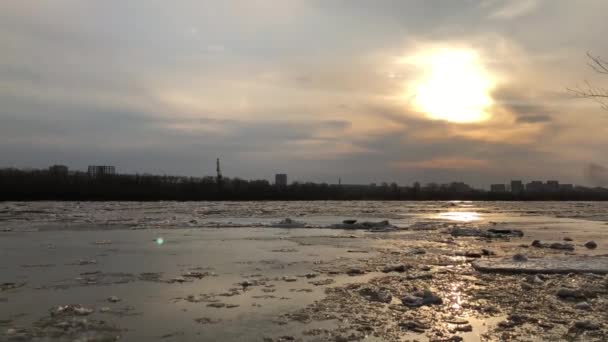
x: 281, y: 179
x: 419, y: 90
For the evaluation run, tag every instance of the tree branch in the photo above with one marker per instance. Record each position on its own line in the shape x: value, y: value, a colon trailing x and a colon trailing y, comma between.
x: 597, y: 94
x: 598, y: 64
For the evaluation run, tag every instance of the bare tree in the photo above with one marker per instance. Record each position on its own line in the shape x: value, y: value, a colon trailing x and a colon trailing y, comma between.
x: 589, y: 91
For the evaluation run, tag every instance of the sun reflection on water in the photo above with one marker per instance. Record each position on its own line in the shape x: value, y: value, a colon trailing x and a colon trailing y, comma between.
x: 460, y: 216
x: 456, y: 297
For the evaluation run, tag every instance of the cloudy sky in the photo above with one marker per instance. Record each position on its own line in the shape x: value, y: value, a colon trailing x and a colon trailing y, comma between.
x: 369, y: 91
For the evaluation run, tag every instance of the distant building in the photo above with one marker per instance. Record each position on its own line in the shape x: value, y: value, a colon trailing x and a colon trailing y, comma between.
x: 517, y: 186
x: 552, y: 185
x: 280, y: 179
x: 58, y: 170
x: 498, y: 188
x: 566, y: 187
x: 95, y: 171
x: 459, y: 187
x: 535, y: 186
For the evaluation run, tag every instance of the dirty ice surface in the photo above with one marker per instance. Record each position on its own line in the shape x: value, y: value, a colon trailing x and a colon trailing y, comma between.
x: 303, y: 271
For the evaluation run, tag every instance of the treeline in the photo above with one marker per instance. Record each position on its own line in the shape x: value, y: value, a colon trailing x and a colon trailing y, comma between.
x: 20, y: 185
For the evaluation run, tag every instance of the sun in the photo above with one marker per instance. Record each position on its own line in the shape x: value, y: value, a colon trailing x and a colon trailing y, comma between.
x: 454, y: 86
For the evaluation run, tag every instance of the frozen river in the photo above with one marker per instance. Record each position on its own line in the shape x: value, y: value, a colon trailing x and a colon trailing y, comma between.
x: 237, y: 271
x: 84, y: 215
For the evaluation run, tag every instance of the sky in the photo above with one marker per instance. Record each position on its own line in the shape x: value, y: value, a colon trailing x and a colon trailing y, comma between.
x: 365, y: 91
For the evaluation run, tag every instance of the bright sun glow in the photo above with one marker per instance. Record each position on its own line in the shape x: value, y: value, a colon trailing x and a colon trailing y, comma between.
x: 460, y: 216
x: 454, y: 86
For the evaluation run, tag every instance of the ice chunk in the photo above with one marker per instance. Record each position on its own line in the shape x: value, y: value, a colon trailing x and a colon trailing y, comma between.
x: 572, y: 264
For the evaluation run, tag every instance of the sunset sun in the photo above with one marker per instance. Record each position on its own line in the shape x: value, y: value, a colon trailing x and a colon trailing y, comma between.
x: 454, y: 86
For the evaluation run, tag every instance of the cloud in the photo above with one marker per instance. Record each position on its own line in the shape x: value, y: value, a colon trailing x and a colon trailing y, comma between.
x: 510, y: 9
x: 596, y: 174
x: 447, y: 163
x: 527, y: 109
x: 303, y: 86
x: 534, y: 118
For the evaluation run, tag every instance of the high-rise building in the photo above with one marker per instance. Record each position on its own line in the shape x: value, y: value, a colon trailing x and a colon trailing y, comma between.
x: 95, y: 171
x: 517, y: 186
x: 535, y: 186
x: 280, y: 179
x: 552, y: 185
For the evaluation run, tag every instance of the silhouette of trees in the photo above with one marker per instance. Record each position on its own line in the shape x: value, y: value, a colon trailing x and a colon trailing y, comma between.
x: 20, y: 185
x: 590, y: 91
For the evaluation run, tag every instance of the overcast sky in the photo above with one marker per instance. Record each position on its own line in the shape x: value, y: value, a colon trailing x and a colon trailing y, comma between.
x: 315, y: 89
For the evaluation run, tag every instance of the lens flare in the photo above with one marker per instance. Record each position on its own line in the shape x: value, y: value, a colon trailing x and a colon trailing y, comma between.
x: 160, y: 241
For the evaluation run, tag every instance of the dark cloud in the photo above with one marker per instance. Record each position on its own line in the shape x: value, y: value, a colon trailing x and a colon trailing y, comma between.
x: 526, y: 109
x: 534, y: 118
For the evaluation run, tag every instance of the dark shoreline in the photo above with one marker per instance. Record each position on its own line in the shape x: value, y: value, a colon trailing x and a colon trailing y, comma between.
x: 17, y: 185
